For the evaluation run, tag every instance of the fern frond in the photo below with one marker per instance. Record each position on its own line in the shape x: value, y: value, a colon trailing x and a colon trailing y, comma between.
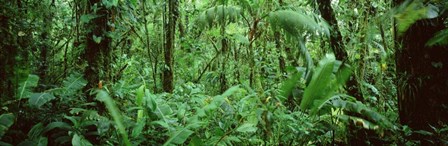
x: 74, y: 83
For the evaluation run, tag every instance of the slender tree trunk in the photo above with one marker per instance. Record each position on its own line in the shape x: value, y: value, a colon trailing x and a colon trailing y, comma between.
x: 45, y: 46
x: 170, y: 30
x: 422, y: 74
x: 336, y: 44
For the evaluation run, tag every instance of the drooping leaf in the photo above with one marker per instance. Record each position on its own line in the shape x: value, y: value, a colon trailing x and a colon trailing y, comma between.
x: 231, y: 91
x: 368, y: 113
x: 36, y: 131
x: 218, y: 15
x: 296, y: 23
x: 53, y: 125
x: 179, y: 136
x: 39, y: 99
x: 42, y: 141
x: 25, y: 87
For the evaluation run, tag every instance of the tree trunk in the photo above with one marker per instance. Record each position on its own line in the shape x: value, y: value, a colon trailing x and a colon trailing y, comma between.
x: 7, y: 56
x: 97, y: 49
x: 422, y: 74
x: 336, y: 44
x: 170, y: 30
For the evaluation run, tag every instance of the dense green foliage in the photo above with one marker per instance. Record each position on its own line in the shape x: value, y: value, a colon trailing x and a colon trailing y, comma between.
x: 246, y: 72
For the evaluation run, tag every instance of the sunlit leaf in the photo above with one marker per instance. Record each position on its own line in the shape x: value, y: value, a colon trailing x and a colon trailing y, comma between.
x: 116, y: 114
x: 26, y: 86
x: 97, y: 39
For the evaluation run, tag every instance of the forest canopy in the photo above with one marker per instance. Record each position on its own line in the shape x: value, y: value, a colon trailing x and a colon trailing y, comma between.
x: 223, y: 72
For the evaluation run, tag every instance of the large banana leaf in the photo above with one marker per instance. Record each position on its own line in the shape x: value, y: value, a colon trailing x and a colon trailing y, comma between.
x: 327, y: 77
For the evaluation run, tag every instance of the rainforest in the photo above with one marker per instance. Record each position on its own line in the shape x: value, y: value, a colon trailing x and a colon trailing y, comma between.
x: 223, y: 72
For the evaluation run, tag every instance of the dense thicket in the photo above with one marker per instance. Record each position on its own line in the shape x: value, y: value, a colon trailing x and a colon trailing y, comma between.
x: 223, y: 72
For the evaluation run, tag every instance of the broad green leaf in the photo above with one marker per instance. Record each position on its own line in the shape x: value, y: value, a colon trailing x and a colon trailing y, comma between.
x: 26, y: 86
x: 87, y: 17
x: 327, y: 78
x: 179, y: 136
x: 80, y: 141
x: 320, y: 84
x: 39, y: 99
x: 139, y: 97
x: 247, y: 127
x: 103, y: 96
x: 6, y: 121
x: 42, y: 141
x: 150, y: 100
